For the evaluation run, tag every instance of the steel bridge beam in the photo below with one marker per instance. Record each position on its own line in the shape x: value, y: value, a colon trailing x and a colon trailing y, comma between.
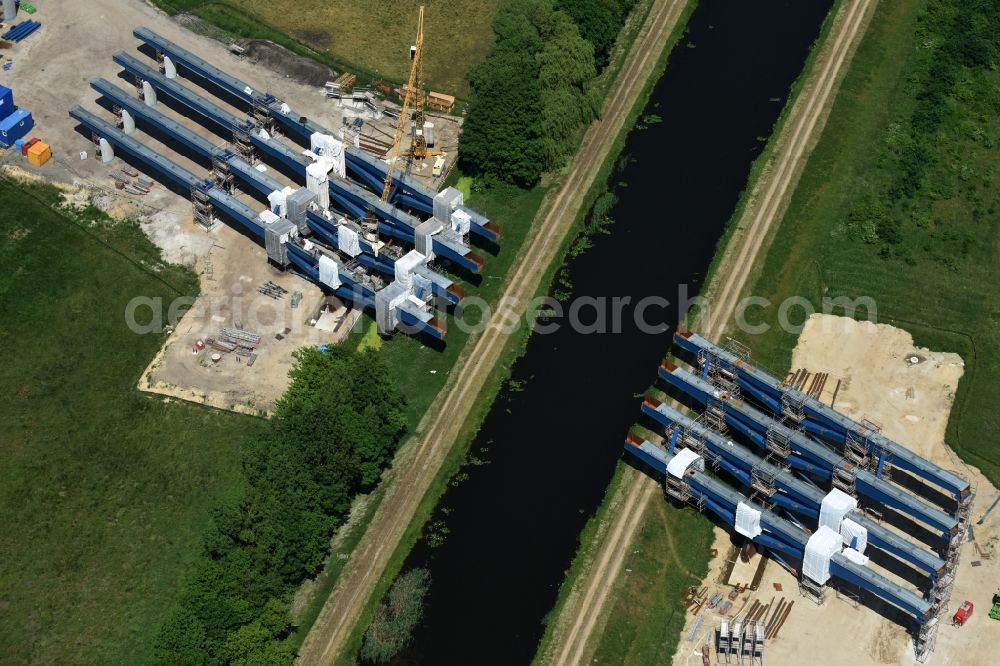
x: 803, y: 494
x: 791, y: 538
x: 739, y: 414
x: 419, y: 196
x: 830, y: 423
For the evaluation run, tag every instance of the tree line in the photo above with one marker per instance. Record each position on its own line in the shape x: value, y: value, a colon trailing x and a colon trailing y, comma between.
x: 333, y: 432
x: 532, y: 93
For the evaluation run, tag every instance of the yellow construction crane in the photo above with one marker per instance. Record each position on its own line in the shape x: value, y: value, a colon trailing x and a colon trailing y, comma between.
x: 413, y: 89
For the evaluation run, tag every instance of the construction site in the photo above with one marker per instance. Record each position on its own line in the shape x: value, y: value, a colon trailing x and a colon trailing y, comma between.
x: 831, y: 535
x: 297, y: 204
x: 306, y: 203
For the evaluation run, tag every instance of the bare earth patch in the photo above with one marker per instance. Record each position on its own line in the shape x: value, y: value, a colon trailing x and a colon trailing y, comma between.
x: 230, y: 272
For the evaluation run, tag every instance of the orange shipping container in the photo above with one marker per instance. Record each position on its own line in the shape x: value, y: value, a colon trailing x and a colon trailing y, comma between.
x: 39, y: 154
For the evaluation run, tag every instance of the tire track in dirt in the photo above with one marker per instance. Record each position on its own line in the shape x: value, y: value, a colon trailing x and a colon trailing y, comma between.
x: 763, y: 209
x: 441, y: 426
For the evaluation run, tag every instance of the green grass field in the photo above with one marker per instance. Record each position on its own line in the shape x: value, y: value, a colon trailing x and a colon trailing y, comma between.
x: 929, y: 258
x: 104, y: 492
x: 367, y: 37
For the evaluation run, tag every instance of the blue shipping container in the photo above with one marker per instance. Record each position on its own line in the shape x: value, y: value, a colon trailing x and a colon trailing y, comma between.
x: 15, y: 126
x: 6, y: 102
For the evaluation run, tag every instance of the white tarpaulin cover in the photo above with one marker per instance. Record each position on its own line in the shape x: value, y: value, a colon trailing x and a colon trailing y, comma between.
x: 267, y: 217
x: 461, y: 222
x: 855, y: 535
x: 331, y: 148
x: 835, y: 506
x: 747, y: 520
x: 421, y: 287
x: 822, y: 545
x: 682, y: 460
x: 277, y: 201
x: 329, y: 273
x: 405, y: 266
x: 856, y: 557
x: 347, y: 241
x: 316, y: 181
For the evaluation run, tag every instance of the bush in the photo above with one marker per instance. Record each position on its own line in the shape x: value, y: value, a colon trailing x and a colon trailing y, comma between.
x: 392, y: 626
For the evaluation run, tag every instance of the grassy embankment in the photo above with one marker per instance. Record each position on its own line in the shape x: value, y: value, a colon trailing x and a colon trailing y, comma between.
x: 370, y: 39
x: 104, y: 492
x: 900, y: 202
x: 657, y: 573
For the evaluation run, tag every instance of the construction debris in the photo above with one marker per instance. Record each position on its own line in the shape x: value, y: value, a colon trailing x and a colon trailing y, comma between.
x: 242, y: 338
x: 269, y: 288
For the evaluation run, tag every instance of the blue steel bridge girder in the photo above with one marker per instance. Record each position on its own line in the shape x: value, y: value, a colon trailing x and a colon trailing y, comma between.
x: 351, y: 198
x: 787, y: 537
x: 823, y: 419
x: 363, y: 166
x: 306, y: 263
x: 260, y: 182
x: 794, y: 494
x: 292, y: 122
x: 738, y: 413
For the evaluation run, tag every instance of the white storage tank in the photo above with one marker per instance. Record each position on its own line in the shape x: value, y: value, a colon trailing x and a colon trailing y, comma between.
x: 429, y: 133
x: 9, y: 10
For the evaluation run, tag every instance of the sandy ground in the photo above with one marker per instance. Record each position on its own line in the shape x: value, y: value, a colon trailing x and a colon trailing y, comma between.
x: 911, y: 401
x: 584, y: 610
x: 84, y: 36
x: 230, y: 275
x: 439, y: 430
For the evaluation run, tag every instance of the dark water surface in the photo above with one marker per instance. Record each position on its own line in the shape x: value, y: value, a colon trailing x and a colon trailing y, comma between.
x: 552, y: 446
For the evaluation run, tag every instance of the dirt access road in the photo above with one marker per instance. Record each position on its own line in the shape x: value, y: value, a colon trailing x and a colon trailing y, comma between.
x: 439, y: 430
x: 571, y: 643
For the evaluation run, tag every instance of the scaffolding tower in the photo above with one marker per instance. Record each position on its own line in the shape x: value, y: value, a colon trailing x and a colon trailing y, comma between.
x: 844, y: 479
x: 241, y: 142
x: 221, y: 174
x: 792, y: 407
x: 260, y: 112
x: 203, y: 211
x: 812, y: 590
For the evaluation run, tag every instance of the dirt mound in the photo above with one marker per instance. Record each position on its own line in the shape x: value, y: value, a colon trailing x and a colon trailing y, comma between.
x: 280, y: 59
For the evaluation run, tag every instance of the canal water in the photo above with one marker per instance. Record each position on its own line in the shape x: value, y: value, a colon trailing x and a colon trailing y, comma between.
x: 551, y: 444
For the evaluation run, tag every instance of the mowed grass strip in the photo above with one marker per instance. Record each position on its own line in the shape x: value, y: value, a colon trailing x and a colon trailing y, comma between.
x: 104, y: 492
x: 669, y: 555
x: 939, y: 279
x: 372, y: 36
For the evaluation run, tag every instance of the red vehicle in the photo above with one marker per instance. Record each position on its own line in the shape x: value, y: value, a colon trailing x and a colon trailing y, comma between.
x: 963, y: 613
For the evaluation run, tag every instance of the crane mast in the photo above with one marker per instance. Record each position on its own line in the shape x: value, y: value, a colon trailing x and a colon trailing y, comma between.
x: 413, y: 89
